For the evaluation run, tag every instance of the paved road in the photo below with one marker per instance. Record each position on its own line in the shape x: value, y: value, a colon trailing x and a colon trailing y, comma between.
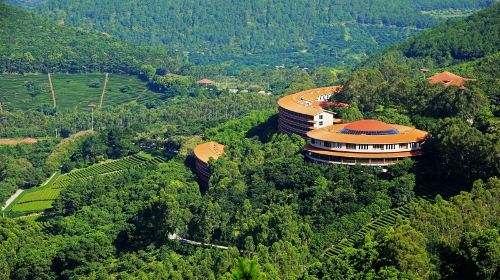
x: 176, y: 237
x: 19, y: 191
x: 12, y: 198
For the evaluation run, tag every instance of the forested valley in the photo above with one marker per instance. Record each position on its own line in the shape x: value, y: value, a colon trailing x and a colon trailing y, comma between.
x: 110, y: 192
x: 260, y: 33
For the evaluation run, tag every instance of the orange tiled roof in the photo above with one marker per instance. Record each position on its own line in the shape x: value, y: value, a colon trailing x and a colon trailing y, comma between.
x: 448, y: 79
x: 368, y: 125
x: 332, y: 133
x: 205, y: 82
x: 206, y: 151
x: 305, y: 102
x: 310, y: 148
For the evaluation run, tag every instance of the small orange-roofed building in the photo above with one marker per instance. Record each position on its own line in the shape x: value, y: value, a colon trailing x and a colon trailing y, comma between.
x: 205, y: 82
x: 364, y: 142
x: 203, y: 153
x: 29, y: 140
x: 448, y: 79
x: 306, y: 110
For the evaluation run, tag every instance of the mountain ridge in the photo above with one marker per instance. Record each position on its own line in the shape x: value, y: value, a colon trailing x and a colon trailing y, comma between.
x: 269, y: 33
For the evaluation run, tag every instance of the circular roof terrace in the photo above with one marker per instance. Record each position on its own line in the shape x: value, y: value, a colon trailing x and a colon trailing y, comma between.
x: 369, y: 127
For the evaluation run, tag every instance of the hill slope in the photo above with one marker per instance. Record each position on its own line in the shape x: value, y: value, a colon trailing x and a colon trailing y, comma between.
x: 30, y: 43
x: 457, y: 41
x: 306, y: 33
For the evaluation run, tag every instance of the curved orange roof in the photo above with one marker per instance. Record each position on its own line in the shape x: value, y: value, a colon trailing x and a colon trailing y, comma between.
x: 29, y: 140
x: 209, y: 150
x: 448, y: 79
x: 205, y: 82
x: 313, y: 149
x: 333, y: 134
x: 305, y: 102
x: 368, y: 125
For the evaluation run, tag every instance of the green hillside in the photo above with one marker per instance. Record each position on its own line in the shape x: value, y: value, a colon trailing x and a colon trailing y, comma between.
x: 73, y: 91
x: 30, y: 43
x: 307, y: 33
x: 456, y: 41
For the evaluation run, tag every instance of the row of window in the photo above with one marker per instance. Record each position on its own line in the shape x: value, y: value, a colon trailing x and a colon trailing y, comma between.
x: 287, y: 114
x: 334, y: 145
x: 348, y: 146
x: 303, y: 124
x: 295, y: 126
x: 303, y: 116
x: 351, y: 160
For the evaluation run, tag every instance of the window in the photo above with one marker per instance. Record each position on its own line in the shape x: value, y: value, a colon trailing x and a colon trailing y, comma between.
x: 390, y: 146
x: 363, y: 146
x: 414, y: 145
x: 320, y: 117
x: 320, y: 123
x: 313, y: 141
x: 378, y: 146
x: 334, y: 145
x: 350, y: 146
x: 403, y: 146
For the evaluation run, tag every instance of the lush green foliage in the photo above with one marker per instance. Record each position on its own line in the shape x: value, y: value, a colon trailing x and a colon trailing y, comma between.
x: 33, y: 44
x: 265, y: 200
x: 41, y: 198
x: 280, y: 216
x: 23, y: 165
x: 261, y: 124
x: 456, y: 239
x: 184, y: 116
x: 258, y: 32
x: 458, y: 40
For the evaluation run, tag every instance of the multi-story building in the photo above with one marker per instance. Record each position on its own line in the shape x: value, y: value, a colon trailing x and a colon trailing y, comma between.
x: 203, y: 153
x: 365, y: 142
x: 307, y: 110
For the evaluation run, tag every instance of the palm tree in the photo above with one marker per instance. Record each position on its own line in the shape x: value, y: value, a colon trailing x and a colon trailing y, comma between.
x: 246, y: 270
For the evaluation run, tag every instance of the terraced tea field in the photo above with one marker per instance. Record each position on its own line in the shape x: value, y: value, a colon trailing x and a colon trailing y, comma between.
x: 41, y: 198
x: 73, y: 91
x: 388, y: 219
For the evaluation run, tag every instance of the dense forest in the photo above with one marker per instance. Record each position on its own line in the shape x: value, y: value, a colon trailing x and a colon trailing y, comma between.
x: 267, y: 212
x: 307, y: 33
x: 449, y: 43
x: 30, y: 43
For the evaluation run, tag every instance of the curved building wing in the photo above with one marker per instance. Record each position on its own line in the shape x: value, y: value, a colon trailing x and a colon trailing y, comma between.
x: 303, y: 111
x: 365, y: 142
x: 203, y: 153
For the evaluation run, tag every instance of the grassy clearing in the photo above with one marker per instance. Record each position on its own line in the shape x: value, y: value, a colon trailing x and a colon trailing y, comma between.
x: 31, y: 218
x: 448, y: 13
x: 13, y: 142
x: 9, y: 141
x: 73, y: 91
x: 41, y: 198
